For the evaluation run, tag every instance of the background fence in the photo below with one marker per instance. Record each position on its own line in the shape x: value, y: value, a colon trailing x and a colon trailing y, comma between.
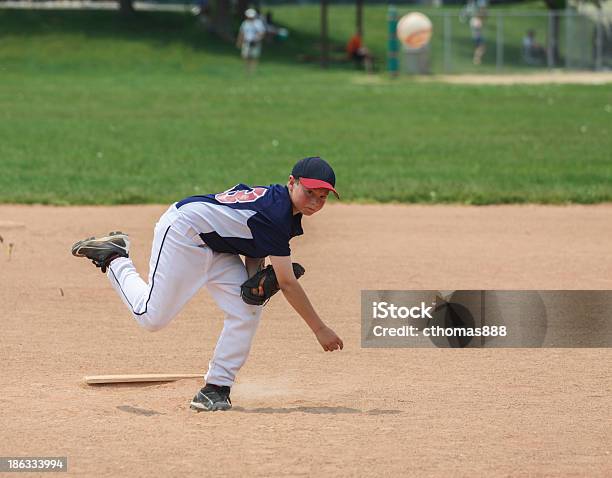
x: 581, y: 42
x: 573, y: 39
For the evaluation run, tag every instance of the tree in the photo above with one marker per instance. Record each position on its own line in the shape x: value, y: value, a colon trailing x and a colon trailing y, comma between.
x: 126, y: 6
x: 554, y: 6
x: 221, y: 21
x: 223, y: 17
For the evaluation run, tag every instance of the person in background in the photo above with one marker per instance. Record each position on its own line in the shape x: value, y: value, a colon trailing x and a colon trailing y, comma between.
x: 359, y: 53
x: 476, y: 25
x: 533, y: 52
x: 251, y: 34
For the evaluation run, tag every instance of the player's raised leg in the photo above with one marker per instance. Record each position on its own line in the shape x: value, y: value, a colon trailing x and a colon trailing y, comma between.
x: 177, y: 270
x: 103, y: 250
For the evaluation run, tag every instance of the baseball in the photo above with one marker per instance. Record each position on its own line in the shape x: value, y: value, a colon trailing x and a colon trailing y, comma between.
x: 414, y: 30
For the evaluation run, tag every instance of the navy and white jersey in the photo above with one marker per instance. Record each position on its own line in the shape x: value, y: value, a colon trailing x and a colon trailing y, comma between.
x: 250, y: 221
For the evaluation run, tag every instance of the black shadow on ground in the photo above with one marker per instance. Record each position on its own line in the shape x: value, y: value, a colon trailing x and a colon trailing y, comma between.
x: 138, y: 411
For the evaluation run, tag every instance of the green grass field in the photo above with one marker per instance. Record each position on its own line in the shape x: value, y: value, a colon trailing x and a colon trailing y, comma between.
x: 99, y: 110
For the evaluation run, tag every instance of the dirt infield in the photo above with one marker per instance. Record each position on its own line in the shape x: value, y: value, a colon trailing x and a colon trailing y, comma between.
x: 555, y: 77
x: 300, y: 411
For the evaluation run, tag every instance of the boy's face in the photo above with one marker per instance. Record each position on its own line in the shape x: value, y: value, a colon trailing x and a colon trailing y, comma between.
x: 307, y: 201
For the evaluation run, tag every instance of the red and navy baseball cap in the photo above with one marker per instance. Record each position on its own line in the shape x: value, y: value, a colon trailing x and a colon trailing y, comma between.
x: 314, y: 173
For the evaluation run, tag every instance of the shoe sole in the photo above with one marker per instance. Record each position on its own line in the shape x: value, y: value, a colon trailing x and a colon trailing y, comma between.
x: 199, y: 407
x: 101, y: 243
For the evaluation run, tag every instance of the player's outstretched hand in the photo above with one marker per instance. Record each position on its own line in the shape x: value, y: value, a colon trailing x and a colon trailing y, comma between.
x: 329, y: 340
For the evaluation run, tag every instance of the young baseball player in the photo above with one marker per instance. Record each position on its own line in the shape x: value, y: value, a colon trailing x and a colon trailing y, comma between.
x: 198, y: 242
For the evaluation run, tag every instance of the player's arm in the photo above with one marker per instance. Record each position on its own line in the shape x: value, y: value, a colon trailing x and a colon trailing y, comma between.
x: 296, y: 296
x: 254, y: 264
x: 239, y: 39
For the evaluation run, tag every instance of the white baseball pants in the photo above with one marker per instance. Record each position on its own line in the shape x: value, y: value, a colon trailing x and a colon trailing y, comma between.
x: 180, y: 265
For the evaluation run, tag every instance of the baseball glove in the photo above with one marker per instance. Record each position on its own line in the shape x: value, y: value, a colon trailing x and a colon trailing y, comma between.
x: 259, y: 288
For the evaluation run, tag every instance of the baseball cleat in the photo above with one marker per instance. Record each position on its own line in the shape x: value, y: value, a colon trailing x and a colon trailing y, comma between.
x: 102, y: 250
x: 212, y: 398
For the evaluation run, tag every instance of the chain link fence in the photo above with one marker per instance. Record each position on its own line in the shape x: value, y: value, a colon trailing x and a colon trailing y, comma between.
x: 514, y: 41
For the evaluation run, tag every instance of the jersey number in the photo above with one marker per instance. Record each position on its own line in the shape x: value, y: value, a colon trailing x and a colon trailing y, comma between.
x: 244, y: 195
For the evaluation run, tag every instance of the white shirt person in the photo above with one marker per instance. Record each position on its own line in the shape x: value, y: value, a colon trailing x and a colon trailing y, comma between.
x: 250, y: 36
